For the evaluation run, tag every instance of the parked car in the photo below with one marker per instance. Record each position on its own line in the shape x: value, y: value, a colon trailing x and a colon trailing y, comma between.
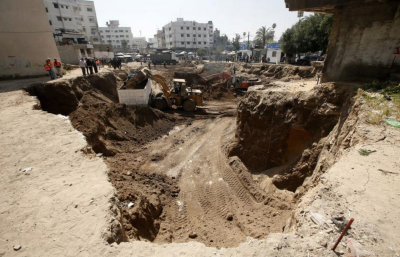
x: 306, y: 60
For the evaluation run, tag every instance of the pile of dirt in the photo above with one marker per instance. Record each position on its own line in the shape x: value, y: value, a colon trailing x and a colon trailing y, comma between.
x: 280, y: 71
x: 278, y: 133
x: 67, y: 66
x: 116, y: 131
x: 111, y: 128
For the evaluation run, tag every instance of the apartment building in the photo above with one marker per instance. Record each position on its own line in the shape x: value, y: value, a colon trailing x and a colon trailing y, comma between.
x: 73, y: 20
x: 90, y: 27
x: 153, y: 42
x: 182, y: 34
x: 139, y: 43
x: 115, y: 35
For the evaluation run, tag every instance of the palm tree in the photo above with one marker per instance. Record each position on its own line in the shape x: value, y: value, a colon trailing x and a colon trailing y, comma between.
x: 264, y: 35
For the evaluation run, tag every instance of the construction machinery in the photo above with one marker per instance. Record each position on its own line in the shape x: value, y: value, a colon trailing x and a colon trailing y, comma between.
x: 179, y: 94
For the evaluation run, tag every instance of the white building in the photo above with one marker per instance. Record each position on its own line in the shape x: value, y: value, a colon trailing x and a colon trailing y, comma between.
x: 90, y: 27
x: 73, y: 19
x: 115, y: 35
x: 65, y: 19
x: 182, y: 34
x: 139, y: 43
x: 153, y: 42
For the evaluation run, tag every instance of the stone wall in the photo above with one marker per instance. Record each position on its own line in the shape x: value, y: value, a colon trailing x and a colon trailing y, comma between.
x: 362, y: 42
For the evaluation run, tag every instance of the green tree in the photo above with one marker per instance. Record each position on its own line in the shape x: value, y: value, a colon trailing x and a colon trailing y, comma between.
x: 124, y: 45
x: 265, y: 35
x: 236, y: 42
x: 310, y: 34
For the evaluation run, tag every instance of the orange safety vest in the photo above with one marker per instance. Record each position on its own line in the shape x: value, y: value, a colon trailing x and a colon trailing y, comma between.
x: 47, y: 67
x: 98, y: 61
x: 57, y: 64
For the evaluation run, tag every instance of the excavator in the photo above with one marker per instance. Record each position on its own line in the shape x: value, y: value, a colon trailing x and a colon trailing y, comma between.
x: 236, y: 82
x: 179, y: 94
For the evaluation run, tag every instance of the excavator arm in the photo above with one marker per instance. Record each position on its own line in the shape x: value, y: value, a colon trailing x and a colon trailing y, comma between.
x: 161, y: 81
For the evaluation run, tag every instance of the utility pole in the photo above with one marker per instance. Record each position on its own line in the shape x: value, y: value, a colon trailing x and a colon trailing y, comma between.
x: 248, y: 40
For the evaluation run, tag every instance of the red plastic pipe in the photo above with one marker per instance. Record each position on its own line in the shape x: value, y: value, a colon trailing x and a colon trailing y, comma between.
x: 341, y: 235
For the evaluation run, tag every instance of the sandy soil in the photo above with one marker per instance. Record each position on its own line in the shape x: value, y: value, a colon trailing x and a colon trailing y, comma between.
x: 62, y: 206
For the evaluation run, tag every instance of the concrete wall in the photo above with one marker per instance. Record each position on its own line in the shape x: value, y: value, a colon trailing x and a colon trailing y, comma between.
x: 69, y: 54
x: 26, y: 38
x: 363, y: 38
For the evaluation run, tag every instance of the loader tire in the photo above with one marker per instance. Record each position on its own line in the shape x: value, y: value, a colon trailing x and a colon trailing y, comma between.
x: 160, y: 104
x: 189, y: 105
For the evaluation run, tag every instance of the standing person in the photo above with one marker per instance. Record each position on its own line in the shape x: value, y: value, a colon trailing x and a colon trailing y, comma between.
x: 234, y: 70
x: 48, y: 66
x: 89, y: 65
x: 57, y: 65
x: 149, y: 66
x: 119, y: 63
x: 94, y: 64
x: 165, y: 65
x: 82, y: 64
x: 98, y: 63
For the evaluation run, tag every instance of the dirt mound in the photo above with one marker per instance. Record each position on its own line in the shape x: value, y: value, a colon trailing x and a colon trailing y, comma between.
x: 278, y: 132
x: 107, y: 125
x: 279, y: 71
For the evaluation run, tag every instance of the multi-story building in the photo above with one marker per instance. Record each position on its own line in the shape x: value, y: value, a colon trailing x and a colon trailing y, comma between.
x: 183, y: 34
x: 90, y: 27
x: 118, y: 37
x: 160, y: 39
x: 139, y: 43
x: 73, y: 19
x: 153, y: 42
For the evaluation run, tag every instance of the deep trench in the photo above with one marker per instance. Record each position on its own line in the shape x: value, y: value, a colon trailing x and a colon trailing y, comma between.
x: 93, y: 101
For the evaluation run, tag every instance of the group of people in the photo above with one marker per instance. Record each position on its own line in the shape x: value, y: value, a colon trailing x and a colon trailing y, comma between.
x: 89, y: 65
x: 115, y: 63
x: 54, y: 68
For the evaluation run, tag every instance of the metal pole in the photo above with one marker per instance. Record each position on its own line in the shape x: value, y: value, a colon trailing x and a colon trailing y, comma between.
x: 341, y: 235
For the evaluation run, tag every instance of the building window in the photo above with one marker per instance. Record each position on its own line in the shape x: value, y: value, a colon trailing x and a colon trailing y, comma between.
x: 69, y: 19
x: 121, y: 30
x: 188, y: 35
x: 91, y: 19
x: 117, y: 41
x: 84, y: 29
x: 194, y: 28
x: 187, y: 28
x: 66, y: 7
x: 170, y: 35
x: 199, y: 28
x: 55, y: 5
x: 205, y: 29
x: 182, y: 35
x: 107, y: 31
x: 126, y: 31
x: 170, y: 43
x: 116, y: 36
x: 205, y: 43
x: 182, y: 43
x: 194, y: 43
x: 181, y: 28
x: 188, y: 43
x: 50, y: 23
x: 199, y: 43
x: 199, y: 35
x: 194, y: 35
x: 274, y: 54
x: 95, y: 39
x: 169, y: 28
x: 47, y: 10
x: 89, y: 9
x: 59, y: 18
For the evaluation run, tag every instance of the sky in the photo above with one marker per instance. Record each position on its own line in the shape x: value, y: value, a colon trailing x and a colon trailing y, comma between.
x: 229, y: 16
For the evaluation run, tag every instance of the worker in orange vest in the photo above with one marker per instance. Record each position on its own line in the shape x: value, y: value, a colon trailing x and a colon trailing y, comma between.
x: 49, y: 67
x: 58, y: 66
x: 98, y: 63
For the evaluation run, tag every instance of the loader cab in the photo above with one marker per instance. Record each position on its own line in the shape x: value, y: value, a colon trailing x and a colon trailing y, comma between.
x: 180, y: 88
